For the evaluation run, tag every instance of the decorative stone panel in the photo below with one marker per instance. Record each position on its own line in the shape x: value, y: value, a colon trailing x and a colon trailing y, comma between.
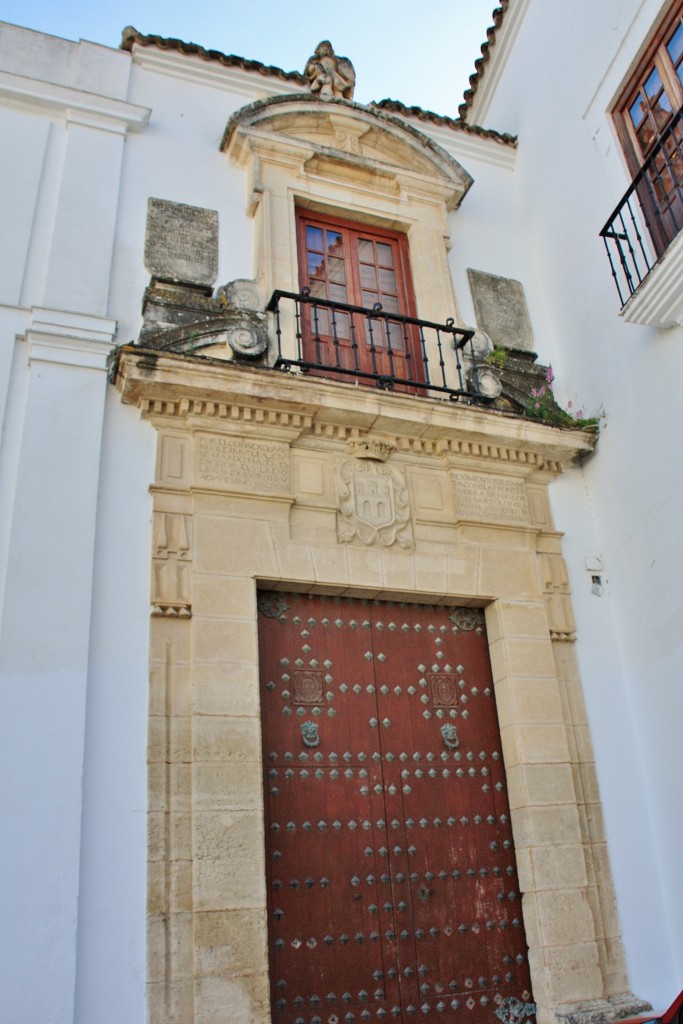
x: 241, y: 518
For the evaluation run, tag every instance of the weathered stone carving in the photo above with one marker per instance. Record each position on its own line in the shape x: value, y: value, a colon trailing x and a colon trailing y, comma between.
x: 239, y: 464
x: 490, y: 498
x: 242, y: 293
x: 371, y: 448
x: 373, y: 504
x: 501, y: 310
x: 557, y: 597
x: 181, y: 242
x: 329, y: 76
x: 172, y: 558
x: 487, y: 381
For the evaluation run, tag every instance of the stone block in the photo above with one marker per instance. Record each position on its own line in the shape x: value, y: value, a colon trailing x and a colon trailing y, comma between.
x: 501, y: 310
x: 170, y: 639
x: 574, y: 972
x: 170, y: 684
x: 540, y: 785
x: 509, y: 573
x: 236, y: 547
x: 230, y: 943
x: 170, y: 947
x: 226, y: 688
x: 169, y: 836
x: 223, y: 596
x: 225, y: 639
x: 169, y: 787
x: 462, y: 572
x: 231, y: 884
x: 398, y: 571
x: 221, y: 739
x: 243, y: 1000
x: 546, y: 826
x: 536, y: 744
x: 169, y: 887
x: 431, y: 574
x: 170, y: 739
x: 235, y: 786
x: 520, y: 619
x: 537, y: 702
x: 365, y: 566
x: 330, y: 565
x: 171, y: 1004
x: 295, y: 560
x: 559, y: 867
x: 181, y: 242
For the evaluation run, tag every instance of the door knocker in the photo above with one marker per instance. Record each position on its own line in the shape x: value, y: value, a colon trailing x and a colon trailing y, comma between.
x: 309, y: 734
x: 450, y: 736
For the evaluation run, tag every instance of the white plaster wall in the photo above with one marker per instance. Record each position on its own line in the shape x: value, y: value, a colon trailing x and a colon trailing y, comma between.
x: 74, y: 554
x: 110, y: 980
x: 537, y: 223
x: 569, y: 177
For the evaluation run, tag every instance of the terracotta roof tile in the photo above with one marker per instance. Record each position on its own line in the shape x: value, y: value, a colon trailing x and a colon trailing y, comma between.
x: 454, y: 123
x: 131, y: 36
x: 480, y: 62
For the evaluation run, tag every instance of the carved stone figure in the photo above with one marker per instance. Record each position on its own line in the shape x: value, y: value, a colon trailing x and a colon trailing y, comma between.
x: 329, y: 76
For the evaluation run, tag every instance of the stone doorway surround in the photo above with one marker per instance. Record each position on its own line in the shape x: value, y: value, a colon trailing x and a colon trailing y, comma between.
x: 256, y: 485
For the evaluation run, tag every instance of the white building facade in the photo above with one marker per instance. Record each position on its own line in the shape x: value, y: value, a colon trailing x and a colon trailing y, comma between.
x: 116, y: 667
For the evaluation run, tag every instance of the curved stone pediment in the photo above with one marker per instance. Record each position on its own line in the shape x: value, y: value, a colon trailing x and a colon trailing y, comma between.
x: 347, y: 135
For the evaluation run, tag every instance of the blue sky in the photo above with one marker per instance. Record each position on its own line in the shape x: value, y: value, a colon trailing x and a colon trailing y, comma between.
x: 420, y: 53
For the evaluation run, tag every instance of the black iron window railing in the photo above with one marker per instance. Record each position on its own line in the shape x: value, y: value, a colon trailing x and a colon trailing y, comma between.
x: 649, y: 216
x: 395, y: 352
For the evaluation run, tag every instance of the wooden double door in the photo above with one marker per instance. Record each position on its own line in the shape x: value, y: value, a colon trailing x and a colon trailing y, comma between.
x: 392, y: 886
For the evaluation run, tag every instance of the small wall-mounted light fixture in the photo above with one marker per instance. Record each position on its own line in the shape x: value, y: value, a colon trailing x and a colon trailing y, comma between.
x: 594, y: 567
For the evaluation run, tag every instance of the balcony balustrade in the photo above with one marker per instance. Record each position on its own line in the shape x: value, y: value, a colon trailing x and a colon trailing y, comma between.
x: 649, y: 216
x: 394, y: 352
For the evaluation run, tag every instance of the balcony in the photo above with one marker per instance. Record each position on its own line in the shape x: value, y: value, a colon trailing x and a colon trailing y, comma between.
x: 640, y: 233
x: 394, y: 352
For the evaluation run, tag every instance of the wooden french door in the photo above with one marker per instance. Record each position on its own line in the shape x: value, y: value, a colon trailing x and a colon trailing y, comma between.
x: 647, y: 120
x: 353, y: 264
x: 392, y: 886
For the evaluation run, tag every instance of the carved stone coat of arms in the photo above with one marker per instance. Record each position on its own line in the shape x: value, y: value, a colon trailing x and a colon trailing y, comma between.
x: 373, y: 504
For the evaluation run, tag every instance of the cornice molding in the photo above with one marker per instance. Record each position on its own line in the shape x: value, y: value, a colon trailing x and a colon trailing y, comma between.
x: 213, y: 74
x: 170, y: 387
x: 72, y: 339
x: 76, y: 105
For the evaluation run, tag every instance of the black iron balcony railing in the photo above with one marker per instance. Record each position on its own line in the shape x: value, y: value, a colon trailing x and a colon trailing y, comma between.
x: 649, y: 216
x: 346, y: 342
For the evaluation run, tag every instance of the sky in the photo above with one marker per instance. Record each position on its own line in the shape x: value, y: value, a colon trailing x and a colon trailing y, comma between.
x: 418, y: 51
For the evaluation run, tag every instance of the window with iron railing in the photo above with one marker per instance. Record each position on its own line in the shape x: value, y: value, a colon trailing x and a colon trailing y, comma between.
x: 649, y: 120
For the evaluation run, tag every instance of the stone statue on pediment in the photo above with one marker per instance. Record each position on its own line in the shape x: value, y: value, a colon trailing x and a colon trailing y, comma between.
x: 329, y: 76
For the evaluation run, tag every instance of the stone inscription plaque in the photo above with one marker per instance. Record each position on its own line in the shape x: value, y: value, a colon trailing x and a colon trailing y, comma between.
x: 233, y: 464
x: 181, y: 242
x: 501, y: 310
x: 490, y: 498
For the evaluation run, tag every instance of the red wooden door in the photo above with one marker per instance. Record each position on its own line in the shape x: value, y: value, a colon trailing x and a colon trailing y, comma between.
x: 361, y: 266
x: 392, y: 888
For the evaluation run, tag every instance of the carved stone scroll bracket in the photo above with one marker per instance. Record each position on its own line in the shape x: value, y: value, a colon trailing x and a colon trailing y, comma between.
x: 172, y: 559
x: 557, y: 598
x: 373, y: 504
